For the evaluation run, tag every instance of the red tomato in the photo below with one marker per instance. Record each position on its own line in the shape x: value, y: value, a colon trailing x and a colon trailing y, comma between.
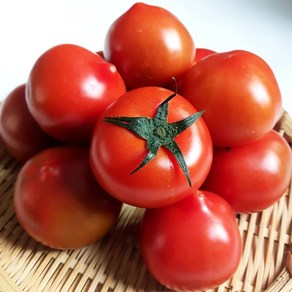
x: 116, y: 152
x: 20, y: 133
x: 239, y: 94
x: 149, y: 46
x: 68, y: 88
x: 58, y: 201
x: 254, y: 176
x: 193, y: 244
x: 202, y: 53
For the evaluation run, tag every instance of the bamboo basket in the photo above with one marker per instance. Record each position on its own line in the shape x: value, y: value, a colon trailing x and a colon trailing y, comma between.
x: 114, y: 263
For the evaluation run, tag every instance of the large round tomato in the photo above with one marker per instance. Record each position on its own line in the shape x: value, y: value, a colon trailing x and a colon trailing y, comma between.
x: 149, y: 46
x: 194, y: 244
x: 251, y: 177
x: 116, y: 152
x: 58, y: 201
x: 239, y: 94
x: 67, y: 90
x: 20, y: 133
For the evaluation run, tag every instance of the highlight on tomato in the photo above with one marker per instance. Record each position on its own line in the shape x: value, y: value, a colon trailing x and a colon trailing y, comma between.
x: 58, y: 201
x: 20, y: 133
x: 150, y: 147
x: 67, y: 90
x: 239, y: 93
x: 149, y: 45
x: 254, y: 176
x: 192, y: 245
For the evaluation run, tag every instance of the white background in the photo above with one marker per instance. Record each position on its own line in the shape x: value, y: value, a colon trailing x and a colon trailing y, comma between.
x: 30, y: 27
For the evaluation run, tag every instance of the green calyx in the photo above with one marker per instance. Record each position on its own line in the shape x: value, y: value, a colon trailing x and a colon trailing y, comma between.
x: 158, y: 132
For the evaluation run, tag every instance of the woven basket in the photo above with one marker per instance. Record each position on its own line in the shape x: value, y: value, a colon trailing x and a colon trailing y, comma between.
x: 115, y: 264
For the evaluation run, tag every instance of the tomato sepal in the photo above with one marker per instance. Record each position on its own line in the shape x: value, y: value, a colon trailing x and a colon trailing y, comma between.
x: 158, y: 132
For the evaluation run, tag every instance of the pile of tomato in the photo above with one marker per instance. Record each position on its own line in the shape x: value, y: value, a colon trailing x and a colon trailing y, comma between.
x: 156, y: 123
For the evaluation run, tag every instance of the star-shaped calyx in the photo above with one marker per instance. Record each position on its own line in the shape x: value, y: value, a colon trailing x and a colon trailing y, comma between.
x: 158, y: 132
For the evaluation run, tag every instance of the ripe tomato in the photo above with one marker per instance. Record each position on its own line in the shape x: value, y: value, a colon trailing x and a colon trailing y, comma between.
x: 239, y: 94
x: 201, y: 53
x: 254, y: 176
x: 58, y: 201
x: 194, y: 244
x: 149, y: 46
x: 20, y: 133
x: 116, y: 152
x: 67, y: 90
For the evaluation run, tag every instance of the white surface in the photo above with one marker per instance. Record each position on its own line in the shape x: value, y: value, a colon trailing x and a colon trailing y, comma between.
x: 29, y: 27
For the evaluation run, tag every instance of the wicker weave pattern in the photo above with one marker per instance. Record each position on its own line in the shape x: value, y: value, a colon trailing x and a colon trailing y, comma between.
x: 114, y: 263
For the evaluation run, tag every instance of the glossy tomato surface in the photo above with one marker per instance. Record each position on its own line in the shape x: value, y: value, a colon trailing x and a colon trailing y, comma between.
x: 58, y: 201
x: 67, y: 90
x: 192, y: 245
x: 21, y: 134
x: 252, y: 177
x: 149, y: 46
x: 239, y: 93
x: 199, y: 54
x: 116, y: 152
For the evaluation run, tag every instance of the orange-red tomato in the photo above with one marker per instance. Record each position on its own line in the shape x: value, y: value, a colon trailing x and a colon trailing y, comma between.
x: 239, y: 93
x: 116, y: 152
x: 253, y: 176
x: 202, y: 53
x: 58, y: 201
x: 194, y: 244
x: 149, y: 46
x: 21, y: 134
x: 67, y: 90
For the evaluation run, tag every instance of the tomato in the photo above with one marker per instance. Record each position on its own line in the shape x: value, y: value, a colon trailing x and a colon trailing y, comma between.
x: 20, y: 133
x: 239, y: 94
x: 58, y: 201
x: 194, y: 244
x: 254, y: 176
x: 116, y: 152
x: 202, y: 53
x: 149, y: 46
x: 67, y: 90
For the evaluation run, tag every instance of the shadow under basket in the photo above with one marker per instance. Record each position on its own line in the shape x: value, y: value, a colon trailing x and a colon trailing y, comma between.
x: 115, y: 264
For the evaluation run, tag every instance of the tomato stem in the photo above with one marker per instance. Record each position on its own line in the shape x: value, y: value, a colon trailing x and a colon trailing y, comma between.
x: 158, y: 132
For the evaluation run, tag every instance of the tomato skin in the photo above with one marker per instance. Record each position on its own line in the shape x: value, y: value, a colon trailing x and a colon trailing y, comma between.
x: 116, y: 152
x: 202, y: 53
x: 21, y: 134
x: 252, y: 177
x: 239, y: 94
x: 68, y: 88
x: 58, y: 201
x: 193, y: 244
x: 149, y: 46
